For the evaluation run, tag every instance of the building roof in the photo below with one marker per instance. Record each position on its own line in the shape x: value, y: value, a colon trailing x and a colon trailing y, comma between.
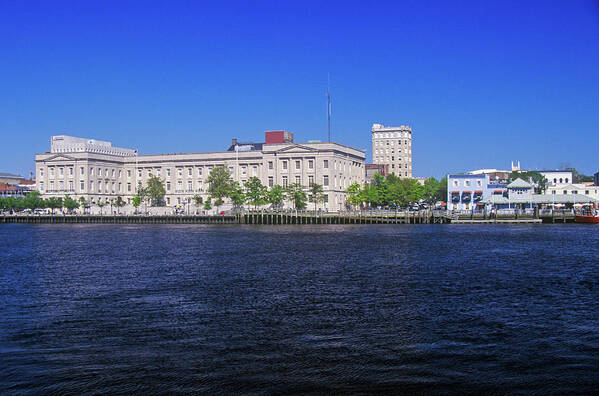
x: 10, y: 176
x: 519, y: 183
x: 246, y: 146
x: 540, y: 199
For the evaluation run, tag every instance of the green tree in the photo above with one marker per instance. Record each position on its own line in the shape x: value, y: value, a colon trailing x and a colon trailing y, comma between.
x: 83, y: 204
x: 275, y: 196
x: 255, y: 192
x: 316, y: 194
x: 69, y: 204
x: 219, y: 184
x: 54, y: 203
x: 297, y: 196
x: 136, y: 201
x: 100, y: 205
x: 237, y: 195
x: 431, y: 190
x: 396, y: 195
x: 354, y: 194
x: 442, y: 194
x: 208, y: 204
x: 33, y: 201
x: 154, y: 191
x: 119, y: 203
x: 198, y: 200
x: 414, y: 190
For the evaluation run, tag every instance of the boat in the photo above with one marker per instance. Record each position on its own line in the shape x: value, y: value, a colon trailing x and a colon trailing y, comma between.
x: 588, y: 218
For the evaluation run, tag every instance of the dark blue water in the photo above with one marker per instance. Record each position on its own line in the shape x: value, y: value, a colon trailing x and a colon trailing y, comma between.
x: 299, y: 309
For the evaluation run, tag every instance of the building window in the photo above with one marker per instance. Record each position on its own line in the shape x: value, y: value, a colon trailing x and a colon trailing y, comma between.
x: 553, y: 192
x: 99, y: 186
x: 199, y: 171
x: 479, y: 183
x: 456, y: 183
x: 129, y: 173
x: 189, y: 172
x: 189, y: 186
x: 285, y: 181
x: 168, y: 172
x: 91, y: 186
x: 325, y: 181
x: 270, y: 165
x: 298, y: 180
x: 297, y: 164
x: 42, y: 186
x: 128, y: 187
x: 566, y: 180
x: 326, y: 164
x: 112, y: 173
x: 310, y: 164
x: 121, y: 173
x: 168, y: 186
x: 82, y: 186
x: 120, y: 188
x: 284, y: 165
x: 70, y: 171
x: 255, y: 170
x: 271, y: 181
x: 139, y: 173
x: 42, y: 172
x: 179, y: 186
x: 179, y: 172
x: 51, y: 185
x: 61, y: 171
x: 243, y: 170
x: 310, y: 180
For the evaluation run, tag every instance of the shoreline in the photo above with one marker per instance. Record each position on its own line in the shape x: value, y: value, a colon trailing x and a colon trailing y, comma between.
x: 267, y: 218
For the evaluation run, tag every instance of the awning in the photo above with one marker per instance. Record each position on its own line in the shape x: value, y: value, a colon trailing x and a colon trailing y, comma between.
x: 455, y: 192
x: 478, y: 192
x: 466, y: 192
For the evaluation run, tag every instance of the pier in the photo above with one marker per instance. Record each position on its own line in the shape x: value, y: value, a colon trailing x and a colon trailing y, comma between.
x: 276, y: 218
x: 270, y: 218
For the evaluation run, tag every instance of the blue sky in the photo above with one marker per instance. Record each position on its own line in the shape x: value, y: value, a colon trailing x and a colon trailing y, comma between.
x: 480, y: 82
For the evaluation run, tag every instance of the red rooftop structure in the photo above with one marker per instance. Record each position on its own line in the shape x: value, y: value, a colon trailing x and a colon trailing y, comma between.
x: 274, y: 137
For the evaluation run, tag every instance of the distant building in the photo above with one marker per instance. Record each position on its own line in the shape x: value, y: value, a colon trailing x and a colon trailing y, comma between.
x: 10, y: 178
x: 596, y: 178
x: 373, y: 169
x: 555, y: 177
x: 392, y: 146
x: 467, y: 192
x: 520, y: 195
x: 494, y: 174
x: 97, y: 171
x: 8, y: 190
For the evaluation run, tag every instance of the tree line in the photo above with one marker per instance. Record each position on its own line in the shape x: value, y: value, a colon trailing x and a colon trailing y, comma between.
x: 34, y: 201
x: 395, y: 192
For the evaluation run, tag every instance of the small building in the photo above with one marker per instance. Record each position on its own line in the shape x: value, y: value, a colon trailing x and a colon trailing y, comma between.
x: 468, y: 192
x: 520, y: 195
x: 557, y: 176
x: 372, y: 169
x: 10, y: 178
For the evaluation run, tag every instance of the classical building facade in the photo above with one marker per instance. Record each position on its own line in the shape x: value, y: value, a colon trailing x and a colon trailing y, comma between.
x: 392, y: 146
x: 99, y: 172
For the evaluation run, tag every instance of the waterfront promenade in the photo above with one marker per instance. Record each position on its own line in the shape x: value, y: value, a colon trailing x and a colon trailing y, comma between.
x: 278, y: 218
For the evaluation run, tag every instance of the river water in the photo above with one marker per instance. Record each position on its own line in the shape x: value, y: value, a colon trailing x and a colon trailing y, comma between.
x: 299, y: 309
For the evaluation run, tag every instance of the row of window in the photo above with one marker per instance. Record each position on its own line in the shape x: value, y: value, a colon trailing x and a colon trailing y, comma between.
x: 467, y: 183
x: 379, y: 143
x: 383, y: 135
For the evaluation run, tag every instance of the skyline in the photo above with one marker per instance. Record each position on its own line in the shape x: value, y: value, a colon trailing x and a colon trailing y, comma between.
x: 480, y: 84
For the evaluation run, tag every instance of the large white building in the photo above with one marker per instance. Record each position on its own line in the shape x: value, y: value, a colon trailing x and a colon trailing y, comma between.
x: 99, y: 172
x: 392, y: 146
